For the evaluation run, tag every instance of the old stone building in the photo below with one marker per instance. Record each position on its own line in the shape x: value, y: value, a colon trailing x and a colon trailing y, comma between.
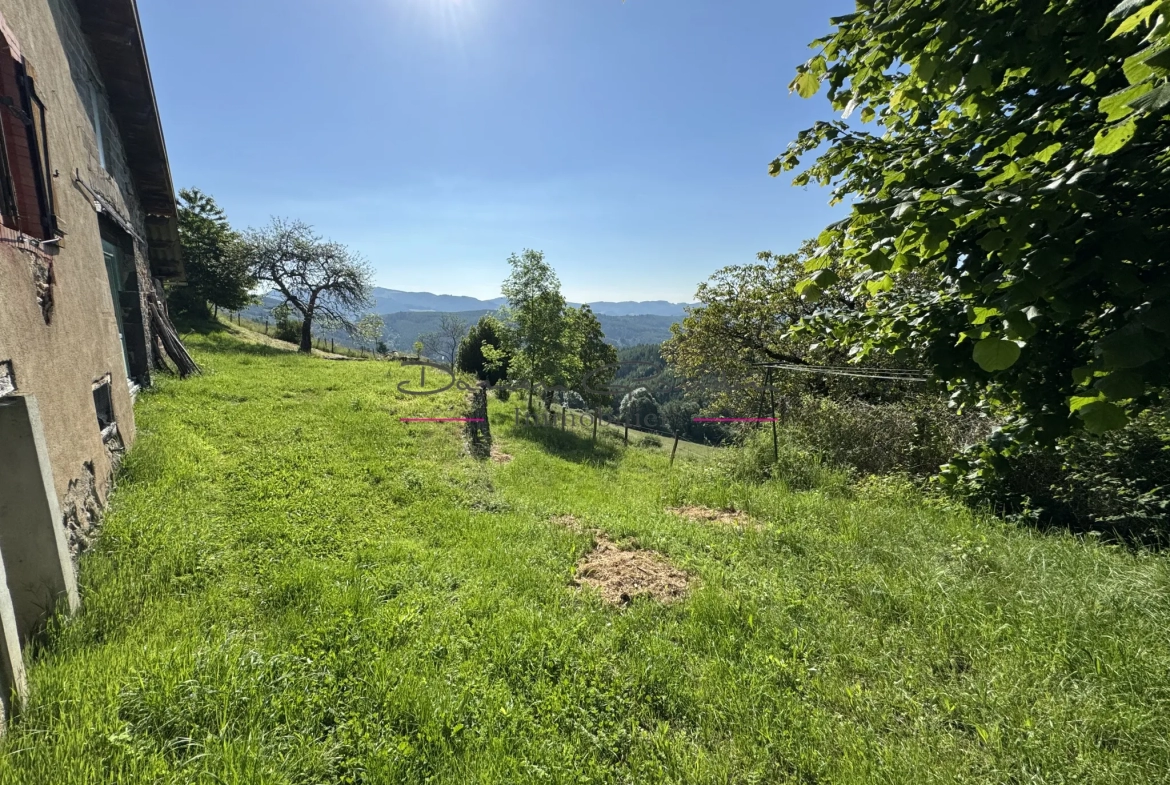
x: 88, y: 236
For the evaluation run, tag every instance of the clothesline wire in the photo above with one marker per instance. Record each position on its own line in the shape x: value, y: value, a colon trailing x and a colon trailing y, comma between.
x: 888, y: 374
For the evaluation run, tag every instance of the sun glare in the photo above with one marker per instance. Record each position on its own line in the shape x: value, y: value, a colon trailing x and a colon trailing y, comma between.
x: 454, y: 18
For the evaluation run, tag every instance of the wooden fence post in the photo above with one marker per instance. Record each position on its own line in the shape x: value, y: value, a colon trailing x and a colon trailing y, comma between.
x: 772, y: 396
x: 673, y: 449
x: 595, y: 426
x: 626, y: 435
x: 562, y: 417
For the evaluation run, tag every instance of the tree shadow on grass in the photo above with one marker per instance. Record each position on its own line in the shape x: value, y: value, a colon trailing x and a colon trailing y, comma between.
x: 224, y: 338
x: 570, y: 445
x: 226, y: 341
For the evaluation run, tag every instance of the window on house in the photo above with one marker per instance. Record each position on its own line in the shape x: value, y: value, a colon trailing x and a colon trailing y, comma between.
x: 118, y: 250
x: 103, y: 403
x: 7, y: 378
x: 98, y: 128
x: 26, y: 182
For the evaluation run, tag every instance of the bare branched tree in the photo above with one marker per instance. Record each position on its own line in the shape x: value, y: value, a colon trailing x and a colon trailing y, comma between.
x: 318, y: 279
x: 451, y: 332
x: 431, y: 346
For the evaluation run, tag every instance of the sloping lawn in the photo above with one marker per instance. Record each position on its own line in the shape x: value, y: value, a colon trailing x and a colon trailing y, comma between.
x: 295, y: 587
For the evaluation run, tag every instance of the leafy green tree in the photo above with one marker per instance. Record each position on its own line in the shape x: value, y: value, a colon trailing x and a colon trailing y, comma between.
x: 317, y: 279
x: 1038, y: 222
x: 537, y: 331
x: 593, y: 361
x: 1147, y: 70
x: 368, y: 331
x: 747, y: 315
x: 638, y: 407
x: 488, y: 332
x: 217, y: 272
x: 678, y: 416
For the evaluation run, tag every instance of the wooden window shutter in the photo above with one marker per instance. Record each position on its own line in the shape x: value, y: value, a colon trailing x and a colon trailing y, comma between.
x: 9, y: 213
x: 38, y: 150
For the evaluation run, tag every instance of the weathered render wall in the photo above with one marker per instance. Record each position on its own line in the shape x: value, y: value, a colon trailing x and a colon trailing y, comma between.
x: 59, y: 359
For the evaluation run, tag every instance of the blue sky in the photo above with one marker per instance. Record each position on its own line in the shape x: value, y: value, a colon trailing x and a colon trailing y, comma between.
x: 628, y: 141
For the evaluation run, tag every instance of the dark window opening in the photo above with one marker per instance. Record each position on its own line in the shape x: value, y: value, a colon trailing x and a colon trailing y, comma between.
x: 7, y: 378
x: 103, y: 404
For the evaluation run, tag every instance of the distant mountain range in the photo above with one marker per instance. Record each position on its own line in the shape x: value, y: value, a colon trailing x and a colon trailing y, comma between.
x: 394, y: 301
x: 621, y: 331
x: 410, y: 314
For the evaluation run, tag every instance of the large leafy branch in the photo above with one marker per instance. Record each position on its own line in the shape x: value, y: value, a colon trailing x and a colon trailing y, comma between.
x: 1039, y: 221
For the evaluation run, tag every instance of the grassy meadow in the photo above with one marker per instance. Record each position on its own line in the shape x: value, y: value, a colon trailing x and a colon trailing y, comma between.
x: 293, y: 586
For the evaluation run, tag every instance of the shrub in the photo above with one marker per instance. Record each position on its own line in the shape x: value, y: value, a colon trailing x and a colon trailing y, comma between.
x: 751, y: 460
x: 915, y: 436
x: 1117, y: 482
x: 470, y: 358
x: 649, y: 441
x: 287, y: 328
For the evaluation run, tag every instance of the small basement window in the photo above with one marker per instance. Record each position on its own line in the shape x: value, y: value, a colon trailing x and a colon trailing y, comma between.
x: 103, y: 403
x: 7, y: 378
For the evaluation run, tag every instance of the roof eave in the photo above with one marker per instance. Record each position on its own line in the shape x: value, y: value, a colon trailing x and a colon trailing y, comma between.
x: 114, y: 32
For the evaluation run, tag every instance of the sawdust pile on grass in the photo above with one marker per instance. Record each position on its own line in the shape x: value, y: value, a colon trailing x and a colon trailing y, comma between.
x: 708, y: 515
x: 619, y: 576
x: 569, y: 522
x: 499, y: 456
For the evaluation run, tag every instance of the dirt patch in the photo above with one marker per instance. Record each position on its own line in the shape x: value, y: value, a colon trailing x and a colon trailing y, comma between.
x: 708, y: 515
x: 499, y: 456
x: 569, y: 522
x: 620, y: 575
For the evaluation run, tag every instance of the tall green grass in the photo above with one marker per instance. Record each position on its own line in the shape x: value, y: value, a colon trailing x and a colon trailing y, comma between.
x: 294, y: 587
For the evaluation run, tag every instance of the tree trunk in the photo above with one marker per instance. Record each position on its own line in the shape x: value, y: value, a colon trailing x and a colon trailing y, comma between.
x: 307, y: 335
